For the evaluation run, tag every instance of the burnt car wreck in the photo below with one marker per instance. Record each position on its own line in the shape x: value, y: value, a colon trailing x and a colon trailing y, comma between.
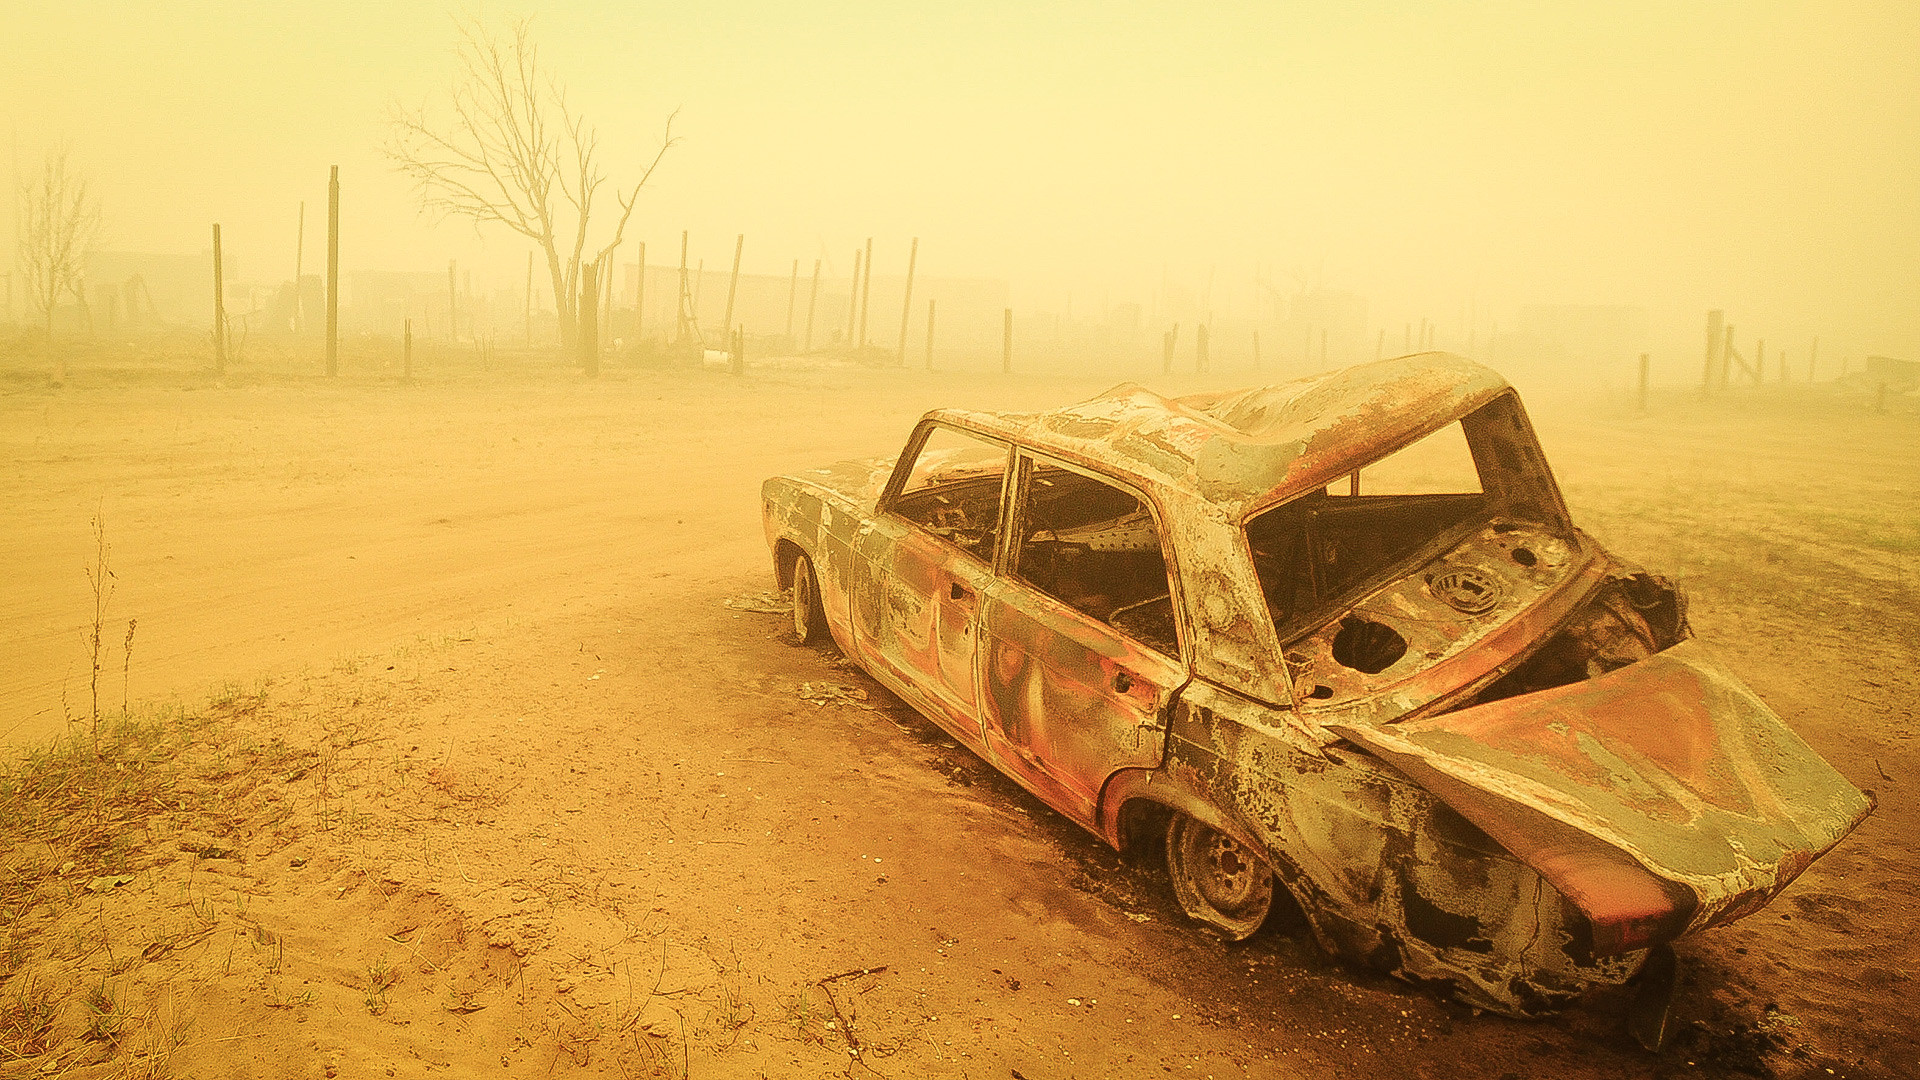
x: 1337, y: 636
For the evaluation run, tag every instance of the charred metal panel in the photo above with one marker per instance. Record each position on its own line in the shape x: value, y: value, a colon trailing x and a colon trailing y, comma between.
x: 1069, y: 700
x: 1533, y: 579
x: 1671, y: 761
x: 1387, y: 875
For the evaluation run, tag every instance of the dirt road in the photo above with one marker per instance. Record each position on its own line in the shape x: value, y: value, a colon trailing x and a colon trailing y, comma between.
x: 512, y: 786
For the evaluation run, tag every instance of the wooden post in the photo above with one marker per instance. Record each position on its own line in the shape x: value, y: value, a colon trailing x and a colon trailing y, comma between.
x: 299, y: 252
x: 906, y: 305
x: 866, y: 293
x: 219, y: 310
x: 1200, y: 334
x: 1646, y: 362
x: 589, y: 319
x: 1256, y: 349
x: 406, y: 350
x: 853, y: 298
x: 929, y: 335
x: 1006, y: 341
x: 681, y: 315
x: 737, y: 354
x: 813, y: 298
x: 333, y: 273
x: 733, y: 282
x: 453, y: 305
x: 609, y: 267
x: 639, y: 296
x: 793, y: 296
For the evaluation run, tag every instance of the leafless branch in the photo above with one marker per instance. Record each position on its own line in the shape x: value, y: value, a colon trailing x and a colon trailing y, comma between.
x: 512, y: 152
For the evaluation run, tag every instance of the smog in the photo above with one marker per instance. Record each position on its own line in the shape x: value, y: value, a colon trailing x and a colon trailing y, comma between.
x: 734, y: 541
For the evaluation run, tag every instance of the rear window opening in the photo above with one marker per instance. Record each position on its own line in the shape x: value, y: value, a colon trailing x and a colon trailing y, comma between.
x: 1326, y: 547
x: 1316, y: 548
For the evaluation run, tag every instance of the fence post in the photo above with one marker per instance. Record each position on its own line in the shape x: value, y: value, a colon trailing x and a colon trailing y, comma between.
x: 219, y: 310
x: 906, y: 304
x: 813, y: 298
x: 853, y: 298
x: 737, y: 361
x: 333, y: 273
x: 733, y: 283
x: 588, y: 318
x: 866, y: 293
x: 639, y: 296
x: 793, y: 296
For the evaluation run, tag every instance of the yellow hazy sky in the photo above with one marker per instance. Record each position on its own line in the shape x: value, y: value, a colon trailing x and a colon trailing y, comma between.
x: 1762, y: 157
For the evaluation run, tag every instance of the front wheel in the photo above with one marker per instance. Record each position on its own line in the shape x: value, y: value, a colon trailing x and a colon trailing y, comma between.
x: 809, y: 621
x: 1218, y: 880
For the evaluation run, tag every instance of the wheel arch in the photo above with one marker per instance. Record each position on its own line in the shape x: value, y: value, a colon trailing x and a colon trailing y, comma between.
x: 787, y: 553
x: 1137, y: 806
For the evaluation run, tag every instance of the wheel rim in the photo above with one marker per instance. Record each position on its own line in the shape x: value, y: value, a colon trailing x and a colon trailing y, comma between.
x: 1218, y: 880
x: 803, y: 598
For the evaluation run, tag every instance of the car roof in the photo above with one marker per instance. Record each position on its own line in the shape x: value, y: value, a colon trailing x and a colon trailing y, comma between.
x: 1252, y: 448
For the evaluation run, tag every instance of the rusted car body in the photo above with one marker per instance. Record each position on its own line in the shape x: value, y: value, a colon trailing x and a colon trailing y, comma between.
x: 1478, y: 750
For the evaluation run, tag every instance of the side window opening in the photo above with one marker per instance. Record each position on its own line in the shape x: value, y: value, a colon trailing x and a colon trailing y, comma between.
x: 1096, y: 548
x: 953, y: 490
x: 1308, y: 551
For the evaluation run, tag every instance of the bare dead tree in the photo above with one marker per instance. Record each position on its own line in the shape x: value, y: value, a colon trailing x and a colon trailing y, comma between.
x: 59, y: 222
x: 514, y: 153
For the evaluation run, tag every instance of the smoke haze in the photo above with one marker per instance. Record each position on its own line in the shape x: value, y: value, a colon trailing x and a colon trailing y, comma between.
x: 1442, y: 161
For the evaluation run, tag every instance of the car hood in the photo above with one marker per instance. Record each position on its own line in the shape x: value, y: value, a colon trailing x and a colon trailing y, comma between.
x: 1668, y: 767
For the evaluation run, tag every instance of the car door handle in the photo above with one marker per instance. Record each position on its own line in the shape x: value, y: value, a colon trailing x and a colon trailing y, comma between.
x: 958, y: 591
x: 1122, y: 682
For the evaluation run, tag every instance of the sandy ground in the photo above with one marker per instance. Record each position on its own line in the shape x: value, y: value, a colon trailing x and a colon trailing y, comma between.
x: 482, y: 774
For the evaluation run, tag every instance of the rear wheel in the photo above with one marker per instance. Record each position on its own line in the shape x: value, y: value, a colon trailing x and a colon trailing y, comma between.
x: 1218, y: 880
x: 809, y: 622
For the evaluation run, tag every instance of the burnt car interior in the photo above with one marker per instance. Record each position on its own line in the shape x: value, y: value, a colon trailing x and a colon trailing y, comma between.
x: 1323, y: 546
x: 1094, y: 547
x: 953, y: 491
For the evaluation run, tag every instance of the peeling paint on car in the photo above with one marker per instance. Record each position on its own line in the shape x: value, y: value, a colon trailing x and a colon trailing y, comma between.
x: 1491, y: 760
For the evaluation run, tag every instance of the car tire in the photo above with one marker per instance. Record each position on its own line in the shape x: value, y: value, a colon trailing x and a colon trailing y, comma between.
x: 1218, y: 880
x: 809, y: 621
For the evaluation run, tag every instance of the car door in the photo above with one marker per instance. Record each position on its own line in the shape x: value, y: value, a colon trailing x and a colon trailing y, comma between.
x: 928, y: 556
x: 1080, y: 636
